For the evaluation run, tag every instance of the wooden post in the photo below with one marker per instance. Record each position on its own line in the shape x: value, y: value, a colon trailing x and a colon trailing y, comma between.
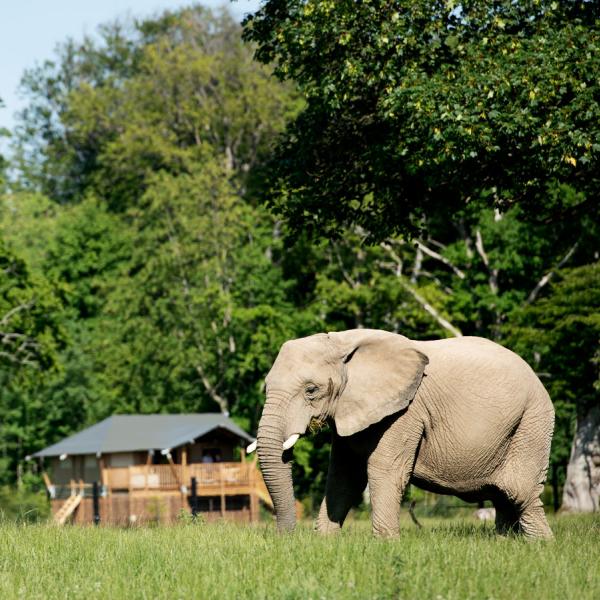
x: 129, y: 495
x: 194, y: 496
x: 148, y: 459
x: 184, y: 475
x: 49, y: 487
x: 96, y: 502
x: 104, y: 478
x: 221, y: 485
x: 104, y: 474
x: 174, y: 469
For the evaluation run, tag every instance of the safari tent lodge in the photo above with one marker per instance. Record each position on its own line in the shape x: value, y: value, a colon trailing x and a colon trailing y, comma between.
x: 141, y: 468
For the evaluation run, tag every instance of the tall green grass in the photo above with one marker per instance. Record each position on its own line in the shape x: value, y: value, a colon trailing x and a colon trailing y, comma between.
x: 445, y: 559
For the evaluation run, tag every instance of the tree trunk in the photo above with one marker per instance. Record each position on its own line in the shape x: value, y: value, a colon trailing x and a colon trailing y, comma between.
x: 582, y: 487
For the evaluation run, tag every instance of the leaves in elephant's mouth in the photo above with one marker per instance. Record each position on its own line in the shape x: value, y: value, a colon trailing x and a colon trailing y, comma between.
x: 316, y: 424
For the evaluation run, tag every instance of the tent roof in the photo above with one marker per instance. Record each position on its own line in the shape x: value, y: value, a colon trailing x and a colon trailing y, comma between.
x: 127, y: 433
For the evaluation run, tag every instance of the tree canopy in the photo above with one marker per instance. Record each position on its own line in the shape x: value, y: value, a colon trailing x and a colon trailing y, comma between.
x: 420, y: 108
x: 160, y: 94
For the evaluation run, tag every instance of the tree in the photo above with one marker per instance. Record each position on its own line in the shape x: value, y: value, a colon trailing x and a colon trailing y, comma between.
x: 22, y: 321
x: 419, y: 108
x: 81, y: 249
x: 470, y: 127
x: 30, y: 337
x: 165, y: 94
x: 153, y: 139
x: 206, y: 307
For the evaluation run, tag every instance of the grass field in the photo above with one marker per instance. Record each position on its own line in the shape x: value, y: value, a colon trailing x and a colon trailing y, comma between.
x: 444, y: 560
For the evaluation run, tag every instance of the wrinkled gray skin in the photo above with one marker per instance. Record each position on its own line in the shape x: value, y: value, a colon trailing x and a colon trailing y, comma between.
x: 460, y: 416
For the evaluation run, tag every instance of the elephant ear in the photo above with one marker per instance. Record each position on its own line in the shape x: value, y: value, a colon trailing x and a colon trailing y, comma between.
x: 383, y: 374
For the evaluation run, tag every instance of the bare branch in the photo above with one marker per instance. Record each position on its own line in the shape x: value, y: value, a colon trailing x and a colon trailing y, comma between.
x: 397, y: 264
x: 417, y: 265
x: 13, y: 311
x: 431, y: 310
x: 424, y: 304
x: 493, y: 278
x: 353, y: 283
x: 481, y: 249
x: 550, y: 274
x: 18, y: 348
x: 439, y: 245
x: 421, y: 246
x: 212, y: 392
x: 23, y: 354
x: 437, y: 280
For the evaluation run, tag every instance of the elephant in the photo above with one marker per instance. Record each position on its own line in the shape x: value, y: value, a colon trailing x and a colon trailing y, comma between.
x: 461, y: 416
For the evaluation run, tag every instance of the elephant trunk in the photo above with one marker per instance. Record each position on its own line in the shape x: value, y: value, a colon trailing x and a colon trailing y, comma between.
x: 276, y: 473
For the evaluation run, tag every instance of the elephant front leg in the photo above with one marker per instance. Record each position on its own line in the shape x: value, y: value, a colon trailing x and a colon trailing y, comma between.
x: 386, y: 488
x: 389, y: 474
x: 346, y: 480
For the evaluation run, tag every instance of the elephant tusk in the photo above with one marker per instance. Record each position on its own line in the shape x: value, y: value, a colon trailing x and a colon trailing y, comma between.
x: 251, y: 448
x: 291, y: 441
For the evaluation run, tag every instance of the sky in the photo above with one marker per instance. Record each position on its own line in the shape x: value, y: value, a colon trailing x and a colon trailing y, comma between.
x: 31, y: 29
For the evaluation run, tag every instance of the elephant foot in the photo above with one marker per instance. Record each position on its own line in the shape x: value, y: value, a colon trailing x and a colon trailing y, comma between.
x: 386, y: 528
x: 533, y: 524
x: 386, y: 533
x: 328, y: 527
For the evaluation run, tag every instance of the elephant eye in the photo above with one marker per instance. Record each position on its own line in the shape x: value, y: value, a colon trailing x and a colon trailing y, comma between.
x: 311, y: 389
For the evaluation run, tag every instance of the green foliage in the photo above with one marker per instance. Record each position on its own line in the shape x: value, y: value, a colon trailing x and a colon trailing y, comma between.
x: 31, y: 335
x: 205, y: 308
x: 147, y: 144
x: 418, y: 108
x: 27, y: 222
x: 3, y: 162
x: 19, y: 506
x: 165, y: 94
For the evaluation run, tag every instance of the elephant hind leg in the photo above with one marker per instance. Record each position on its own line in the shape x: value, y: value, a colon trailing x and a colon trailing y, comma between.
x: 528, y: 519
x: 524, y: 472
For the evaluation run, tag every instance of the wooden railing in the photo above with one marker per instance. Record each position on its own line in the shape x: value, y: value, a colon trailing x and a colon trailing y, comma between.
x: 173, y: 477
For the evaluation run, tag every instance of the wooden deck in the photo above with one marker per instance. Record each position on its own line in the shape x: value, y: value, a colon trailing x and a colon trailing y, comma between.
x: 144, y: 493
x: 232, y: 477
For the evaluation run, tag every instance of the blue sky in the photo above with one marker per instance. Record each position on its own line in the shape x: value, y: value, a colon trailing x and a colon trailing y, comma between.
x: 30, y: 30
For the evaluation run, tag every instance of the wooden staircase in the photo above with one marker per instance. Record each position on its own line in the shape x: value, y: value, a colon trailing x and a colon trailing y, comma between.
x: 67, y: 509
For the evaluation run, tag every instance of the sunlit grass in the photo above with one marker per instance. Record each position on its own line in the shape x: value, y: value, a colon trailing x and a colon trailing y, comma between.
x: 445, y: 559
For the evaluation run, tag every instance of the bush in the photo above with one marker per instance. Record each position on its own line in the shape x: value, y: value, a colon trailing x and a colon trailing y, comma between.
x: 23, y: 506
